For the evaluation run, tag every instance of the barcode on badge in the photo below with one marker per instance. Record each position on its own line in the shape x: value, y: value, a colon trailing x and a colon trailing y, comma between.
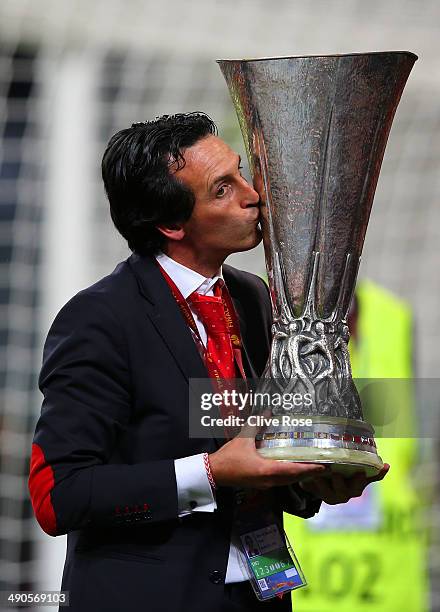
x: 263, y: 584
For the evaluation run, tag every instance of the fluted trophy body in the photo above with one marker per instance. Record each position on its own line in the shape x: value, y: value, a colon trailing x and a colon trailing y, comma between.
x: 315, y: 130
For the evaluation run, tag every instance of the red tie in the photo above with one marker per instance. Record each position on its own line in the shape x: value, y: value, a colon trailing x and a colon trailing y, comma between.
x: 219, y: 348
x: 218, y: 315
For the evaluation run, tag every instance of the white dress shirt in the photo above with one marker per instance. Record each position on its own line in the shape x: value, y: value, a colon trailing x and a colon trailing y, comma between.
x: 194, y: 492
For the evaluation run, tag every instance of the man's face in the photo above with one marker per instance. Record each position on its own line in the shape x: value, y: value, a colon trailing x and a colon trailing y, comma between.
x: 226, y: 213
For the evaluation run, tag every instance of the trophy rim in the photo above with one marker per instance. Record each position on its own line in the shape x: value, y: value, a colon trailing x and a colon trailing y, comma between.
x: 317, y: 55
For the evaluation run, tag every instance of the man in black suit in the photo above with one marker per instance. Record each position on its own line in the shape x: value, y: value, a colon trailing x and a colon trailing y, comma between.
x: 148, y: 510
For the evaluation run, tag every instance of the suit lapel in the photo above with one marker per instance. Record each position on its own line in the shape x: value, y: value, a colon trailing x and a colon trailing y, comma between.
x: 170, y: 324
x: 247, y: 364
x: 166, y: 317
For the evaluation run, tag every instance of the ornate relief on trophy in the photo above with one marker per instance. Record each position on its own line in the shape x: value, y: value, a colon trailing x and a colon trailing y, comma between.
x: 315, y: 130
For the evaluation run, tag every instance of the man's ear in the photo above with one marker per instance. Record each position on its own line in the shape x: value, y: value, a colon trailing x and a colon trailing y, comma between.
x: 173, y: 231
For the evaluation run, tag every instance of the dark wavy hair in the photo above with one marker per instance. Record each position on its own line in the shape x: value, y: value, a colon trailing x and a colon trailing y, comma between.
x: 141, y: 190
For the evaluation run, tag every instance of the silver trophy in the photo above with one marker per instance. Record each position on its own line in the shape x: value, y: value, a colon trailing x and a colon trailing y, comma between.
x: 315, y: 130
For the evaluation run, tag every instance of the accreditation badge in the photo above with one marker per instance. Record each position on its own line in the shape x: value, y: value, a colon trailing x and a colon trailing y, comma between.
x: 266, y: 555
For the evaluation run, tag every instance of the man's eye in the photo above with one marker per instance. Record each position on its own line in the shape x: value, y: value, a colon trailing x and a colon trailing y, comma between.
x: 221, y: 191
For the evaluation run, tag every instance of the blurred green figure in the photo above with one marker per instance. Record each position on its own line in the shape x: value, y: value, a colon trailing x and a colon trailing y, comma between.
x: 371, y: 553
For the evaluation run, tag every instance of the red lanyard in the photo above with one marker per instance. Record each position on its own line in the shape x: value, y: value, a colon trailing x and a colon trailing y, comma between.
x: 231, y: 323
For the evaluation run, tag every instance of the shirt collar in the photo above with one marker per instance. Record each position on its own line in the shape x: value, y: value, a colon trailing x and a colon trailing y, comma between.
x: 187, y: 280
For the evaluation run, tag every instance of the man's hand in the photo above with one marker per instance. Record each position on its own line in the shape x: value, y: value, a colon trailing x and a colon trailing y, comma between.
x: 335, y: 489
x: 238, y: 464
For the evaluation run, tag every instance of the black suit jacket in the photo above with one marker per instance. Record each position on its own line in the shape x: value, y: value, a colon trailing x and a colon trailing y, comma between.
x: 115, y: 374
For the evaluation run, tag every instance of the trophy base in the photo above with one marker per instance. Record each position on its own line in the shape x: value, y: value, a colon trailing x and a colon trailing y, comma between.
x: 346, y: 445
x: 345, y: 462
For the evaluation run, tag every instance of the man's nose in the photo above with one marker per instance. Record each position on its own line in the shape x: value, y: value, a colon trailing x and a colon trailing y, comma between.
x: 250, y: 196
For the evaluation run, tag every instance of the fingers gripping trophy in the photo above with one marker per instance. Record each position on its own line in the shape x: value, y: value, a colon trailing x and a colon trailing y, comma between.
x: 315, y: 130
